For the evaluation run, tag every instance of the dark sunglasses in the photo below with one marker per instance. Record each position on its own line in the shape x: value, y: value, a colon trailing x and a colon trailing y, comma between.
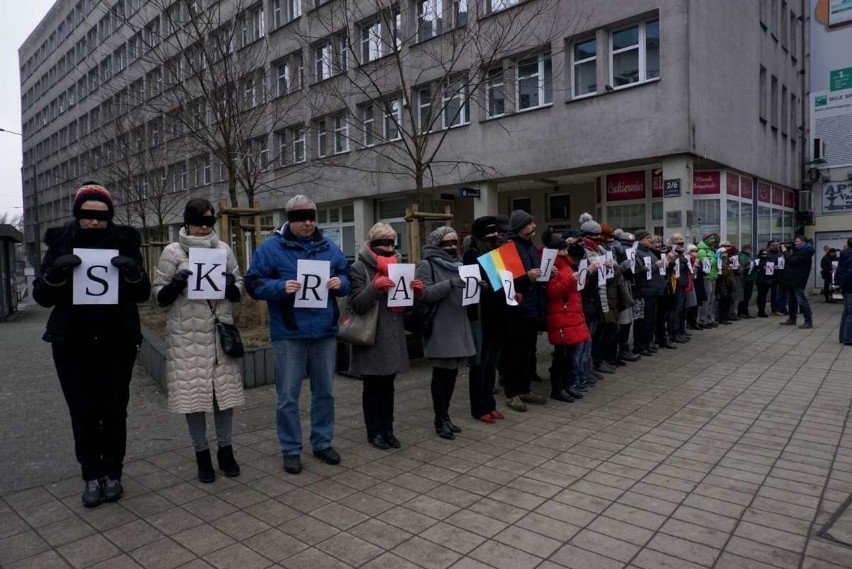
x: 297, y: 215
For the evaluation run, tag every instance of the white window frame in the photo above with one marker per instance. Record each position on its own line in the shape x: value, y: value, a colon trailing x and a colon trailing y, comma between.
x: 322, y: 138
x: 294, y: 9
x: 323, y: 61
x: 341, y: 133
x: 283, y: 74
x: 391, y: 129
x: 299, y: 151
x: 430, y: 15
x: 455, y: 90
x: 495, y: 80
x: 368, y: 124
x: 576, y: 64
x: 640, y: 47
x: 424, y: 107
x: 500, y: 5
x: 371, y: 41
x: 541, y: 75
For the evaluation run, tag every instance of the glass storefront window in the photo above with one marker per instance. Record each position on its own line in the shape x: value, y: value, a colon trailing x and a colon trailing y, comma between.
x: 732, y: 222
x: 789, y: 227
x: 707, y: 216
x: 778, y: 231
x: 656, y: 212
x: 630, y: 217
x: 745, y: 227
x: 764, y: 221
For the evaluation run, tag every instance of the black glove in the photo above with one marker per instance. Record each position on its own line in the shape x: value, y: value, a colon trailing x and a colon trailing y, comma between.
x: 169, y: 293
x: 232, y: 291
x: 128, y: 266
x: 61, y: 268
x: 457, y: 282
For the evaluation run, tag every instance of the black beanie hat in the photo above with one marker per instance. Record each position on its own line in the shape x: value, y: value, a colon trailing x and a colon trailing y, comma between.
x: 519, y: 219
x: 483, y: 226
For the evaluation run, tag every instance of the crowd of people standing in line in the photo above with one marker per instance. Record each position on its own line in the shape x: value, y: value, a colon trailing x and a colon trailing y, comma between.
x: 605, y: 285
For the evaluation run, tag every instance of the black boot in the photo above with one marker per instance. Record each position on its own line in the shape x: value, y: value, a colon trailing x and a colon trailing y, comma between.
x: 625, y: 354
x: 206, y: 473
x: 442, y: 427
x: 227, y: 463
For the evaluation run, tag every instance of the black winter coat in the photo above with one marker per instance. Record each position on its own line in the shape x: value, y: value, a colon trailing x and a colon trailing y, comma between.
x: 797, y: 266
x: 82, y: 323
x: 492, y: 310
x: 645, y: 287
x: 843, y: 275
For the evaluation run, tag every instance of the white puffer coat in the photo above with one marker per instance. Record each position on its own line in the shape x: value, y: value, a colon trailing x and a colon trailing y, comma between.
x: 196, y: 368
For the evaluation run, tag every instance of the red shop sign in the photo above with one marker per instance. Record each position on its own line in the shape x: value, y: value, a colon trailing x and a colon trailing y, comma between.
x: 627, y: 186
x: 745, y: 187
x: 777, y: 196
x: 657, y: 184
x: 706, y: 183
x: 763, y: 193
x: 789, y: 199
x: 732, y: 184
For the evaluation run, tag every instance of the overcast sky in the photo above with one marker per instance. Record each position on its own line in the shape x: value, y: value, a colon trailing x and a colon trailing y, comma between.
x: 19, y: 19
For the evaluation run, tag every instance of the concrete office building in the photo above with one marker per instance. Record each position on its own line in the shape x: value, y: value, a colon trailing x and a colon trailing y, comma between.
x: 674, y: 115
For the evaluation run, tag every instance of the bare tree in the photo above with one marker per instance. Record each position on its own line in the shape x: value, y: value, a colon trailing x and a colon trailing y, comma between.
x: 403, y: 81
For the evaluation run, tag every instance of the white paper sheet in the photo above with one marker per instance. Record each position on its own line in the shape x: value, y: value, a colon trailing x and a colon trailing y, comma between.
x: 207, y: 280
x: 313, y: 276
x: 470, y: 275
x: 401, y: 274
x: 508, y: 287
x: 95, y: 280
x: 548, y: 258
x: 583, y: 269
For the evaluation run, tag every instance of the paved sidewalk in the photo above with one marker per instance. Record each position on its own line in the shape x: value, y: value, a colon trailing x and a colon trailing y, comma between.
x: 734, y: 451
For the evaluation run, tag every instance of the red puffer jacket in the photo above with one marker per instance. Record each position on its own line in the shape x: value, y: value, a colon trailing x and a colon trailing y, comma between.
x: 566, y: 325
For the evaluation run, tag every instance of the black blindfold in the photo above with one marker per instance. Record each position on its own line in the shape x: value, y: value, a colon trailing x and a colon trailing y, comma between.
x: 301, y: 215
x: 200, y: 220
x: 382, y: 243
x: 449, y: 243
x: 93, y: 214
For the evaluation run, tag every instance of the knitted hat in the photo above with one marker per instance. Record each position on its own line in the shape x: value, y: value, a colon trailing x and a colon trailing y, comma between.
x: 557, y: 242
x: 721, y: 250
x: 570, y: 233
x: 483, y: 226
x: 502, y: 222
x: 709, y: 235
x: 626, y: 237
x: 607, y: 230
x: 519, y: 219
x: 642, y: 234
x: 691, y: 247
x: 92, y: 191
x: 438, y: 235
x: 588, y: 225
x: 618, y: 233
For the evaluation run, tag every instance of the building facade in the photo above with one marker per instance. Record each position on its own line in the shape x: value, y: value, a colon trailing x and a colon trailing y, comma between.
x: 670, y: 115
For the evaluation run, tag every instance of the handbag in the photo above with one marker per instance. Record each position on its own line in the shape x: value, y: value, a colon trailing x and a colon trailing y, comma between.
x: 358, y: 329
x: 229, y: 336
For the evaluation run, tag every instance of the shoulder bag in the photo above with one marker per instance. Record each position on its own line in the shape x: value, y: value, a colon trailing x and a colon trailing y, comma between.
x: 358, y: 329
x: 229, y: 336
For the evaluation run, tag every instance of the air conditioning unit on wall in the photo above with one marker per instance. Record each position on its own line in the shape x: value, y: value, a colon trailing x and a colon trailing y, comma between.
x: 806, y: 200
x: 817, y: 150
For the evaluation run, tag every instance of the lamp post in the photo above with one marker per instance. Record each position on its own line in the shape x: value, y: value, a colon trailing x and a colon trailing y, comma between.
x: 36, y: 258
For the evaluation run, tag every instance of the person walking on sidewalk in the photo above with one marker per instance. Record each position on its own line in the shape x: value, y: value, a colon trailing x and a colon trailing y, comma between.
x: 797, y: 271
x: 449, y: 343
x: 201, y: 378
x: 303, y: 339
x: 826, y: 266
x: 94, y: 345
x: 377, y: 365
x: 843, y: 279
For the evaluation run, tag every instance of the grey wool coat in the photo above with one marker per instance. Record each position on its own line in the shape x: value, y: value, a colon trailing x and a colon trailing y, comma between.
x: 389, y: 355
x: 451, y: 334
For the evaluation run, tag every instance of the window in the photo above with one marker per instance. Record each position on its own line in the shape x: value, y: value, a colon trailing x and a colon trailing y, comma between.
x: 559, y: 207
x: 294, y: 9
x: 341, y: 134
x: 424, y: 109
x: 429, y: 19
x: 322, y: 138
x: 392, y: 120
x: 454, y: 105
x: 297, y: 138
x: 635, y: 54
x: 498, y: 5
x: 341, y: 53
x: 495, y: 96
x: 276, y: 14
x: 763, y: 95
x: 283, y: 73
x: 773, y: 102
x: 371, y: 41
x: 459, y: 13
x: 322, y: 61
x: 368, y: 121
x: 252, y: 25
x: 585, y: 68
x: 534, y: 87
x: 784, y: 115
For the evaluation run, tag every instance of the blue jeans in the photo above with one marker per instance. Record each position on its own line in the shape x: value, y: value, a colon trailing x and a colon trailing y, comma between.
x: 293, y: 360
x: 798, y: 299
x: 846, y: 320
x: 581, y: 354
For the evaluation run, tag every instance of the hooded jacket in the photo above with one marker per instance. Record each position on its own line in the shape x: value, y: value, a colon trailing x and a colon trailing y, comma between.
x: 797, y: 265
x: 566, y: 324
x: 80, y: 323
x: 843, y: 275
x: 274, y: 263
x: 707, y: 251
x: 196, y: 368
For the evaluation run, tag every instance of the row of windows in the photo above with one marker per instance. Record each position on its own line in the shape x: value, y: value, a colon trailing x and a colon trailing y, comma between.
x: 778, y: 108
x: 782, y: 23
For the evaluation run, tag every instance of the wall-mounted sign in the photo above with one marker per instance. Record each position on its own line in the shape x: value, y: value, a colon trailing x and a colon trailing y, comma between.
x: 706, y: 183
x: 764, y: 193
x: 732, y: 184
x: 671, y: 189
x: 468, y: 193
x: 837, y: 197
x: 626, y: 186
x: 745, y: 187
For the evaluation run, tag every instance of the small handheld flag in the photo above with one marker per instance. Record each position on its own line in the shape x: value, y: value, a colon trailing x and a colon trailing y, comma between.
x: 504, y: 258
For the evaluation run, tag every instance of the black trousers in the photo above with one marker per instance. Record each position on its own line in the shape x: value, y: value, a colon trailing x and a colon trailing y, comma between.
x: 377, y: 401
x: 643, y: 329
x: 443, y: 386
x: 560, y: 368
x: 742, y: 308
x: 520, y: 360
x: 762, y: 292
x: 483, y: 376
x: 677, y: 315
x: 95, y: 379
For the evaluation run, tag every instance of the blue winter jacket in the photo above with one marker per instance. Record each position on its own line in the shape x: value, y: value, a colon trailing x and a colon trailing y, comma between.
x: 274, y: 263
x: 843, y: 275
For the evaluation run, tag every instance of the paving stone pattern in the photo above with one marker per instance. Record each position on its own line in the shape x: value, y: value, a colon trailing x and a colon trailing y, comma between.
x: 732, y: 452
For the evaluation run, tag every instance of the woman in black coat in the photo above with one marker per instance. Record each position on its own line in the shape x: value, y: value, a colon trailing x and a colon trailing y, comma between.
x: 94, y: 345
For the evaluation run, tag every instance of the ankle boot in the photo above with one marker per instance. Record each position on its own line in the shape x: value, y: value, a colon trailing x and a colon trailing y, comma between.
x: 206, y: 473
x: 442, y: 428
x: 452, y: 425
x: 227, y: 463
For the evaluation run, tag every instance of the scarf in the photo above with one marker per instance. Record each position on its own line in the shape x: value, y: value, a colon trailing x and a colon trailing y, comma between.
x: 382, y: 263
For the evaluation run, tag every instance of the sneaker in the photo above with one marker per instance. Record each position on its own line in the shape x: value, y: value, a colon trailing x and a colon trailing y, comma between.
x: 93, y: 493
x: 806, y: 326
x: 515, y: 404
x: 328, y: 455
x: 292, y: 463
x: 533, y: 398
x: 113, y: 489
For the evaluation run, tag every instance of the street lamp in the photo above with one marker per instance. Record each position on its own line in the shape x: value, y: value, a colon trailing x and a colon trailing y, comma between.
x: 36, y: 260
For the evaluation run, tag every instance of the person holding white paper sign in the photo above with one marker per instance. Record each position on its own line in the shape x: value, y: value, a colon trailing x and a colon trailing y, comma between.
x: 377, y: 365
x: 763, y: 281
x: 303, y: 339
x: 707, y: 262
x: 94, y: 345
x: 450, y: 343
x: 201, y: 378
x: 649, y: 290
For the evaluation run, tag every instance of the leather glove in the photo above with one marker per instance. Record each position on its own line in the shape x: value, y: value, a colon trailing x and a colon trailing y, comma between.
x: 128, y: 266
x: 61, y: 268
x: 383, y: 284
x: 232, y: 291
x: 181, y: 278
x: 457, y: 282
x: 417, y: 287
